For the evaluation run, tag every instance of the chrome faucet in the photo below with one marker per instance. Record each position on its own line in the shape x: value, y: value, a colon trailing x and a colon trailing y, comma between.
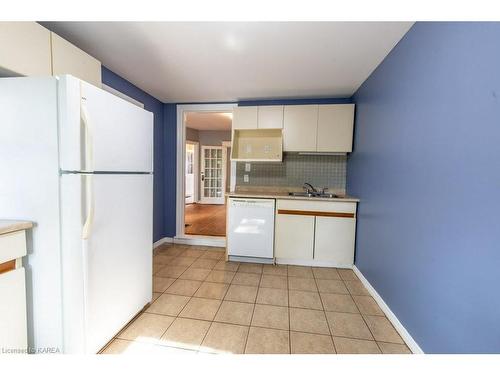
x: 309, y: 188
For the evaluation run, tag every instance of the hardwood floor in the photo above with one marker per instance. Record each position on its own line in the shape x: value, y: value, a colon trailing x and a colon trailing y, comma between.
x: 205, y: 219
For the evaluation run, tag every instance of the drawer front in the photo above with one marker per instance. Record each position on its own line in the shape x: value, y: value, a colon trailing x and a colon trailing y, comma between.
x: 316, y: 208
x: 12, y: 246
x: 13, y: 324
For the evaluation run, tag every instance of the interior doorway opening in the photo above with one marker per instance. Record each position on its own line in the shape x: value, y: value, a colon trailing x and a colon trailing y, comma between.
x: 207, y: 172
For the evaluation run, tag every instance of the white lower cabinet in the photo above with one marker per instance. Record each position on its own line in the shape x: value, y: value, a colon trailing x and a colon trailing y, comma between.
x: 13, y: 318
x: 294, y: 236
x: 315, y: 233
x: 334, y: 240
x: 13, y: 324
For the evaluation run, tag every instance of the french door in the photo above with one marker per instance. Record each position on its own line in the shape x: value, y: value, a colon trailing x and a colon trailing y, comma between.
x: 213, y: 176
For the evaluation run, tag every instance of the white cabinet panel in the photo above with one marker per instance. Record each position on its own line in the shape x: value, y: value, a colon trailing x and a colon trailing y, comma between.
x: 335, y: 128
x: 68, y: 59
x: 300, y: 123
x: 294, y: 236
x: 245, y: 117
x: 25, y: 49
x: 270, y: 117
x: 334, y: 240
x: 13, y: 324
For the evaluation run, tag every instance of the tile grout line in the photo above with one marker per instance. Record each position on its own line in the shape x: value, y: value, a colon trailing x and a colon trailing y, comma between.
x: 289, y: 314
x: 253, y: 311
x: 324, y: 313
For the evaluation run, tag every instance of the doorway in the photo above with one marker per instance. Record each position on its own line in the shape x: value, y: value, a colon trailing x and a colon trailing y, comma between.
x: 206, y: 178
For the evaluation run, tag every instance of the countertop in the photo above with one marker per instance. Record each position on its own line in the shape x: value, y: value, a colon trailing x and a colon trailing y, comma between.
x: 8, y: 226
x: 284, y: 195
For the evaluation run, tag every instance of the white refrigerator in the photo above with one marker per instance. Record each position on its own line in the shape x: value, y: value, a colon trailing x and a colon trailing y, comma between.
x: 78, y: 161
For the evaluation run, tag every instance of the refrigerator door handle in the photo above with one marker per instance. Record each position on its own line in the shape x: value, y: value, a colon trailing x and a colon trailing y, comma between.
x: 89, y: 204
x: 89, y: 151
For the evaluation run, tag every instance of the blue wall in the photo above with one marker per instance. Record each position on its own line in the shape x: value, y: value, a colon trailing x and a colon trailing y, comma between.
x: 426, y: 165
x: 153, y: 105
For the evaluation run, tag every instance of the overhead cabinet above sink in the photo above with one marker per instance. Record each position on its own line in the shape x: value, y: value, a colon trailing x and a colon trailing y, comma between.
x: 324, y: 128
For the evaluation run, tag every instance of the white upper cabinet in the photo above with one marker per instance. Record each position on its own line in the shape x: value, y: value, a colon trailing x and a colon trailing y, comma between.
x: 335, y: 128
x: 270, y: 117
x: 300, y: 127
x: 245, y: 117
x: 25, y: 49
x: 306, y: 128
x: 68, y: 59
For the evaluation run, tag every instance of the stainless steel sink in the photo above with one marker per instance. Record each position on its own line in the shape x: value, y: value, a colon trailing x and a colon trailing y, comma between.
x: 312, y: 194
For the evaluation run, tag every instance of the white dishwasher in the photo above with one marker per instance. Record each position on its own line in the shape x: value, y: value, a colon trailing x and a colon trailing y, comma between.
x: 250, y: 236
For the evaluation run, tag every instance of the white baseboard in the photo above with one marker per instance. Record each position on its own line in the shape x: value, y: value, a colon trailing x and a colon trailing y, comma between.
x: 195, y: 240
x: 405, y: 335
x: 201, y: 241
x: 161, y: 241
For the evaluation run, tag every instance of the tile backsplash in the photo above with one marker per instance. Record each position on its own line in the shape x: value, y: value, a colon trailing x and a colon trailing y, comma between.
x: 319, y: 170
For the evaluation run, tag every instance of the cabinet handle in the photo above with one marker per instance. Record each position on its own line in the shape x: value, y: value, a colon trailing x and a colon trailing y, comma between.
x: 317, y: 213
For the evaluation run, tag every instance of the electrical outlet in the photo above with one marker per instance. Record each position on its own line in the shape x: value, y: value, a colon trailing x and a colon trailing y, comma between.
x: 246, y: 178
x: 248, y: 167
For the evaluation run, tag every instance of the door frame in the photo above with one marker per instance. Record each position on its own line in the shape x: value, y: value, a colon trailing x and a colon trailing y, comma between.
x: 208, y: 200
x: 227, y: 158
x: 181, y: 158
x: 196, y: 169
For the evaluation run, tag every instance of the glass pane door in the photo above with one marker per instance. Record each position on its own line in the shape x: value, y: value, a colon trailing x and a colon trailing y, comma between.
x: 212, y: 174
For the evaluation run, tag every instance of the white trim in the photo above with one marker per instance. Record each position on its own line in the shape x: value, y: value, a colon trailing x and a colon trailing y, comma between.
x: 405, y: 335
x: 181, y: 140
x: 162, y: 241
x: 232, y: 174
x: 196, y: 170
x: 311, y: 263
x: 193, y: 240
x: 201, y: 241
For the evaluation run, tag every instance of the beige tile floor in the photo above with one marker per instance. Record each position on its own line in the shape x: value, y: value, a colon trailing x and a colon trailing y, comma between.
x: 203, y: 304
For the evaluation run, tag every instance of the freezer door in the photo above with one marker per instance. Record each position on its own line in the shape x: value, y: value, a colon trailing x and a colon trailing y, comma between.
x: 102, y: 132
x: 107, y: 255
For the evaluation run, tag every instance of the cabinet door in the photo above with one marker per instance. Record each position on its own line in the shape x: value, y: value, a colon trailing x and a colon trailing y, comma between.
x: 294, y: 236
x: 25, y: 49
x: 245, y: 117
x: 301, y: 124
x: 334, y: 240
x: 335, y: 126
x: 270, y: 117
x: 13, y: 324
x: 68, y: 59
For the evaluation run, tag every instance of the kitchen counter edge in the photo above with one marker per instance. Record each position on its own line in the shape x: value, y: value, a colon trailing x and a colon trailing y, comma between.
x: 286, y: 196
x: 9, y: 226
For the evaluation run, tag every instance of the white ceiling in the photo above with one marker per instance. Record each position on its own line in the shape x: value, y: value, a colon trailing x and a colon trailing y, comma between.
x: 209, y: 120
x: 229, y: 61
